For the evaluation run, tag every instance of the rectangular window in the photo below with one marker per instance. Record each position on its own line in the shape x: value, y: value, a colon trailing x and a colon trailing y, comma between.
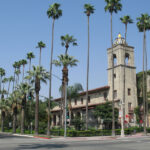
x: 89, y: 99
x: 81, y: 100
x: 115, y: 94
x: 75, y: 101
x: 129, y: 106
x: 129, y: 91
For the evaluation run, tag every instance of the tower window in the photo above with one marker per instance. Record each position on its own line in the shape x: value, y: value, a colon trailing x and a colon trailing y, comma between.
x: 81, y: 100
x: 89, y: 99
x: 126, y: 59
x: 114, y: 75
x: 114, y: 59
x: 129, y: 91
x: 115, y: 94
x: 129, y: 106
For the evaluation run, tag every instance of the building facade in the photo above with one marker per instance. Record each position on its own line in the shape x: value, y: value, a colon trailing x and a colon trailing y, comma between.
x: 101, y: 95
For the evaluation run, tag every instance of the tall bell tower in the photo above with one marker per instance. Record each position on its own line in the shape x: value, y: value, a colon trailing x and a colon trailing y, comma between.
x: 123, y: 56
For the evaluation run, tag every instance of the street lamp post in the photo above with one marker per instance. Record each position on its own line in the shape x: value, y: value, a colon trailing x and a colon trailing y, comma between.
x: 122, y: 120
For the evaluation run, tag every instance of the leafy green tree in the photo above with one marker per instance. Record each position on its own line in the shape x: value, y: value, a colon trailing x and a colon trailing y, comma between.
x: 78, y: 123
x: 112, y: 6
x: 104, y: 111
x: 55, y: 13
x: 37, y: 75
x: 67, y: 40
x: 89, y: 9
x: 40, y: 46
x: 30, y: 56
x: 143, y: 25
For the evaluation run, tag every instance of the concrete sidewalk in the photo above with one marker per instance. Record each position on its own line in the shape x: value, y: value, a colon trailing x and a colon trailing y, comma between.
x: 71, y: 139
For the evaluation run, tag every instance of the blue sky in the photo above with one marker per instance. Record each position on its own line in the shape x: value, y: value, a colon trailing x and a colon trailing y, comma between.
x: 23, y: 23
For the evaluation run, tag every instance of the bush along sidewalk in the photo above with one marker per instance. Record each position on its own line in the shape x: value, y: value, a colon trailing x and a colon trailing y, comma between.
x: 87, y: 133
x: 75, y: 133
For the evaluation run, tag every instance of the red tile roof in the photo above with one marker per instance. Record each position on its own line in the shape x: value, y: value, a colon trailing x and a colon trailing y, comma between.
x: 90, y: 91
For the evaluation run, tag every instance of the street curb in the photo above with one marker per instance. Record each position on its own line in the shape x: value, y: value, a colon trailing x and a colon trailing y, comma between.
x: 23, y: 135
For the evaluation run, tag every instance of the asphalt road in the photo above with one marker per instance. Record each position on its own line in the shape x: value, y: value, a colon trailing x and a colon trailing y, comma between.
x: 9, y: 142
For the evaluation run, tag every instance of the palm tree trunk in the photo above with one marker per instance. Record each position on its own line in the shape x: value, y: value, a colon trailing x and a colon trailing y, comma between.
x: 8, y: 88
x: 23, y: 73
x: 29, y: 64
x: 2, y: 120
x: 113, y: 112
x: 125, y: 33
x: 14, y: 119
x: 147, y: 113
x: 144, y: 118
x: 40, y: 57
x: 23, y: 115
x: 22, y: 120
x: 0, y: 83
x: 37, y: 113
x: 50, y: 79
x: 14, y: 81
x: 64, y: 83
x: 87, y: 79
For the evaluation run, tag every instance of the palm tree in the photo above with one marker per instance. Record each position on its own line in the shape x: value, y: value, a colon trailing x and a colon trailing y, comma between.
x: 2, y: 73
x: 10, y: 79
x: 113, y: 6
x: 67, y: 40
x: 23, y: 89
x: 89, y: 9
x: 73, y: 92
x: 13, y: 102
x: 55, y: 13
x: 143, y: 25
x: 23, y: 63
x: 15, y: 65
x: 65, y: 61
x: 37, y: 75
x: 30, y: 56
x: 40, y: 46
x: 4, y: 107
x: 17, y: 72
x: 126, y: 20
x: 5, y: 80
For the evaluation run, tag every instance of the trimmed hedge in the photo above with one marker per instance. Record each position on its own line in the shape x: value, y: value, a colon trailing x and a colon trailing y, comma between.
x: 75, y: 133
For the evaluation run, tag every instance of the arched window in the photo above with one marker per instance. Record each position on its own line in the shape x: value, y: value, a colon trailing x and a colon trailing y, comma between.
x: 114, y: 59
x: 126, y: 59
